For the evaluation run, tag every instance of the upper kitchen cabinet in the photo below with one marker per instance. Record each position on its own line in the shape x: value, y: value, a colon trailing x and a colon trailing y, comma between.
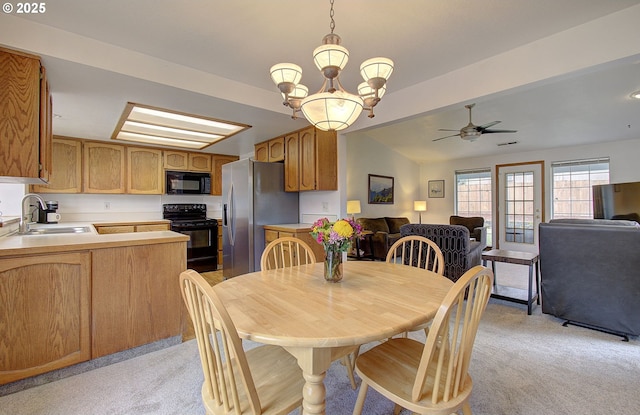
x: 270, y: 151
x: 66, y: 170
x: 145, y: 173
x: 311, y: 160
x: 104, y: 167
x: 25, y: 119
x: 216, y: 174
x: 184, y: 161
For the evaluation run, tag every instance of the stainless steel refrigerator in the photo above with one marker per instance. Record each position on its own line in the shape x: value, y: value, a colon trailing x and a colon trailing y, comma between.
x: 253, y: 196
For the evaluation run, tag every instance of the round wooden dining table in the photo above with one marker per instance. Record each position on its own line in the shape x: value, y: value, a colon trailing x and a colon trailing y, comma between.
x: 318, y: 321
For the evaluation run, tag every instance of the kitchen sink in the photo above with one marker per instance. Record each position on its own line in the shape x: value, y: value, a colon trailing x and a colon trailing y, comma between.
x: 58, y: 230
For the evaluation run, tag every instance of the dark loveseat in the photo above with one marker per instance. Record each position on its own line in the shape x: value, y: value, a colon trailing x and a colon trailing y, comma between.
x: 386, y: 231
x: 459, y: 251
x: 590, y: 273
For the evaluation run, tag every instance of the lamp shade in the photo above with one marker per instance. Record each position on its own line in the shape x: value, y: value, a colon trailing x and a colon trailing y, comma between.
x: 330, y: 55
x: 286, y: 72
x: 299, y: 92
x: 376, y: 68
x: 332, y: 111
x: 353, y: 206
x: 420, y: 205
x: 366, y: 91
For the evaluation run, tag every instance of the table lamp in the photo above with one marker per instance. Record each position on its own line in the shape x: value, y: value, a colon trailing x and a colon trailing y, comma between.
x: 420, y: 206
x: 353, y: 207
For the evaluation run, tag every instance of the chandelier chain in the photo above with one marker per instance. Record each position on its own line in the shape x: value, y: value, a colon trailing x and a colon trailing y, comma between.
x: 333, y: 23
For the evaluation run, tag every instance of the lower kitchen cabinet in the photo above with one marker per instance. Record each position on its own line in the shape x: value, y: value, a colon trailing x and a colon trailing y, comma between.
x: 136, y: 295
x: 45, y: 303
x: 302, y: 231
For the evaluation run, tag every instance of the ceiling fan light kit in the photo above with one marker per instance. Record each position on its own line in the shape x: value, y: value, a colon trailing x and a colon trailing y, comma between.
x: 332, y: 107
x: 472, y: 132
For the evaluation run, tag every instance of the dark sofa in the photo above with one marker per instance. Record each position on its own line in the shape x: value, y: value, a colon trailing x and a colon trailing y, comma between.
x: 386, y: 231
x: 459, y: 251
x: 590, y: 273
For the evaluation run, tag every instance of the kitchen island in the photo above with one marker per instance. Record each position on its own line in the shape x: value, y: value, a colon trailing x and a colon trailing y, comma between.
x: 68, y: 298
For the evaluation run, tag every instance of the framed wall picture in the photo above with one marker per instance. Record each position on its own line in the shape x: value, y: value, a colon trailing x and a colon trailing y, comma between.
x: 380, y: 189
x: 436, y: 188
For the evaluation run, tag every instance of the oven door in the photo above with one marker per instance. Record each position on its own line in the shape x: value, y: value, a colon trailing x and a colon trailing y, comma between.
x: 202, y: 247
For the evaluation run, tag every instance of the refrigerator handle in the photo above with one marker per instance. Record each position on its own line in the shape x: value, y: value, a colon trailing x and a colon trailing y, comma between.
x: 229, y: 216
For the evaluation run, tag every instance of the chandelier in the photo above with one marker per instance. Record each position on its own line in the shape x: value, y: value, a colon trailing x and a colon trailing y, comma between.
x: 332, y: 107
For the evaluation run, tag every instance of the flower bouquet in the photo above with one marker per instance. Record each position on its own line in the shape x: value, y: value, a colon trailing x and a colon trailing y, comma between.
x: 335, y: 238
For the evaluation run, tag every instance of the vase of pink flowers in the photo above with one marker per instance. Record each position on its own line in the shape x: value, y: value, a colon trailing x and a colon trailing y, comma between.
x: 336, y: 238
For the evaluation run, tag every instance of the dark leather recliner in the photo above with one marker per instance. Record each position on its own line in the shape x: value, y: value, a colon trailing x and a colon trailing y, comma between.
x: 475, y: 224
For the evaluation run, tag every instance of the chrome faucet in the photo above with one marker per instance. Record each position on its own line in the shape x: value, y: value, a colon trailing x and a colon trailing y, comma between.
x: 24, y: 220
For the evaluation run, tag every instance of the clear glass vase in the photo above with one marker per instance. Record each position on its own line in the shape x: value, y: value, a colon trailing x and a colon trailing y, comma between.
x: 333, y: 265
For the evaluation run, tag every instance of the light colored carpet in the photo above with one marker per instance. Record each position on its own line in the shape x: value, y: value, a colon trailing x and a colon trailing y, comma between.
x: 522, y: 365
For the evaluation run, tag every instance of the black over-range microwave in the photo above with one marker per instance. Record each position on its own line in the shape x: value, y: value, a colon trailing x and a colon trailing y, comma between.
x: 185, y: 182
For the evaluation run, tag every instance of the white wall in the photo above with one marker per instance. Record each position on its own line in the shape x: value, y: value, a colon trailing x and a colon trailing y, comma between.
x: 622, y: 168
x: 366, y: 156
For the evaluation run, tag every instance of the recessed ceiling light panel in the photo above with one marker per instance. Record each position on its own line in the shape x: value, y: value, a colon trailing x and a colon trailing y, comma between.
x: 636, y: 95
x: 150, y: 125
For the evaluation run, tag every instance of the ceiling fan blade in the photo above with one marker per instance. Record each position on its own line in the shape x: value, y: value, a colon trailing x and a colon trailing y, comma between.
x: 446, y: 129
x: 498, y: 131
x: 442, y: 138
x: 487, y: 125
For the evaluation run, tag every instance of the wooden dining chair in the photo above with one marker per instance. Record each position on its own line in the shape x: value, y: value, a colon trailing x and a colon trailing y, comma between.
x: 417, y: 251
x: 263, y: 380
x: 431, y: 378
x: 286, y: 251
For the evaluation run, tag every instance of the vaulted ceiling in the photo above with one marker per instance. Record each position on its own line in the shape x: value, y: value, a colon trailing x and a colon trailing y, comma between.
x: 212, y: 58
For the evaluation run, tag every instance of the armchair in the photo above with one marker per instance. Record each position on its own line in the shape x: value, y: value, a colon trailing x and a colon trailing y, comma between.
x: 475, y: 224
x: 459, y: 251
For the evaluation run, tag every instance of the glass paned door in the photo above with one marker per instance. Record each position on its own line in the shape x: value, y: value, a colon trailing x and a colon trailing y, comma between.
x: 519, y: 207
x: 520, y: 204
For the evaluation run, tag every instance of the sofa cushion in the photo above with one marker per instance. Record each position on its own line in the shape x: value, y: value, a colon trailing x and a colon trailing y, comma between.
x: 394, y: 224
x: 374, y: 224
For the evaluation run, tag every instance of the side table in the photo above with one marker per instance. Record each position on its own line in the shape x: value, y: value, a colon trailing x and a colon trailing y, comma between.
x: 366, y: 236
x: 511, y: 293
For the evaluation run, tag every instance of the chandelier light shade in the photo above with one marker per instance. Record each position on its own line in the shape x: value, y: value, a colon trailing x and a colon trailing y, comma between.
x: 332, y: 111
x: 332, y: 107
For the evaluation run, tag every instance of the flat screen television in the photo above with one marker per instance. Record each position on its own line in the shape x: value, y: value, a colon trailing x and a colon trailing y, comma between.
x: 617, y: 201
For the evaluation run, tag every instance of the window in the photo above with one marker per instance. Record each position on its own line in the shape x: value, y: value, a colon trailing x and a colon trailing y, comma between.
x: 571, y: 186
x: 473, y: 196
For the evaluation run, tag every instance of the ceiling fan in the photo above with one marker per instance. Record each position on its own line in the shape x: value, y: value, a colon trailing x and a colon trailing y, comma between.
x: 471, y: 132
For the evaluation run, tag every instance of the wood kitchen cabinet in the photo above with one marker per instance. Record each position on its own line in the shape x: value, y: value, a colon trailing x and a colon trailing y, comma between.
x: 25, y: 118
x: 216, y: 174
x: 106, y: 228
x: 311, y: 160
x: 292, y: 163
x: 261, y: 151
x: 144, y: 171
x: 185, y: 161
x: 136, y: 295
x: 104, y: 167
x: 44, y: 313
x: 66, y: 170
x: 270, y: 151
x: 303, y: 232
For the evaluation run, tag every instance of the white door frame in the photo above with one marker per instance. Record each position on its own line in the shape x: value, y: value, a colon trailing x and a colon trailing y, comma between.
x: 539, y: 216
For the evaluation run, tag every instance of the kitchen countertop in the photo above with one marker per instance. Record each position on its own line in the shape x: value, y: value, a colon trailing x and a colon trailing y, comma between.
x: 13, y: 245
x: 290, y: 226
x: 8, y: 220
